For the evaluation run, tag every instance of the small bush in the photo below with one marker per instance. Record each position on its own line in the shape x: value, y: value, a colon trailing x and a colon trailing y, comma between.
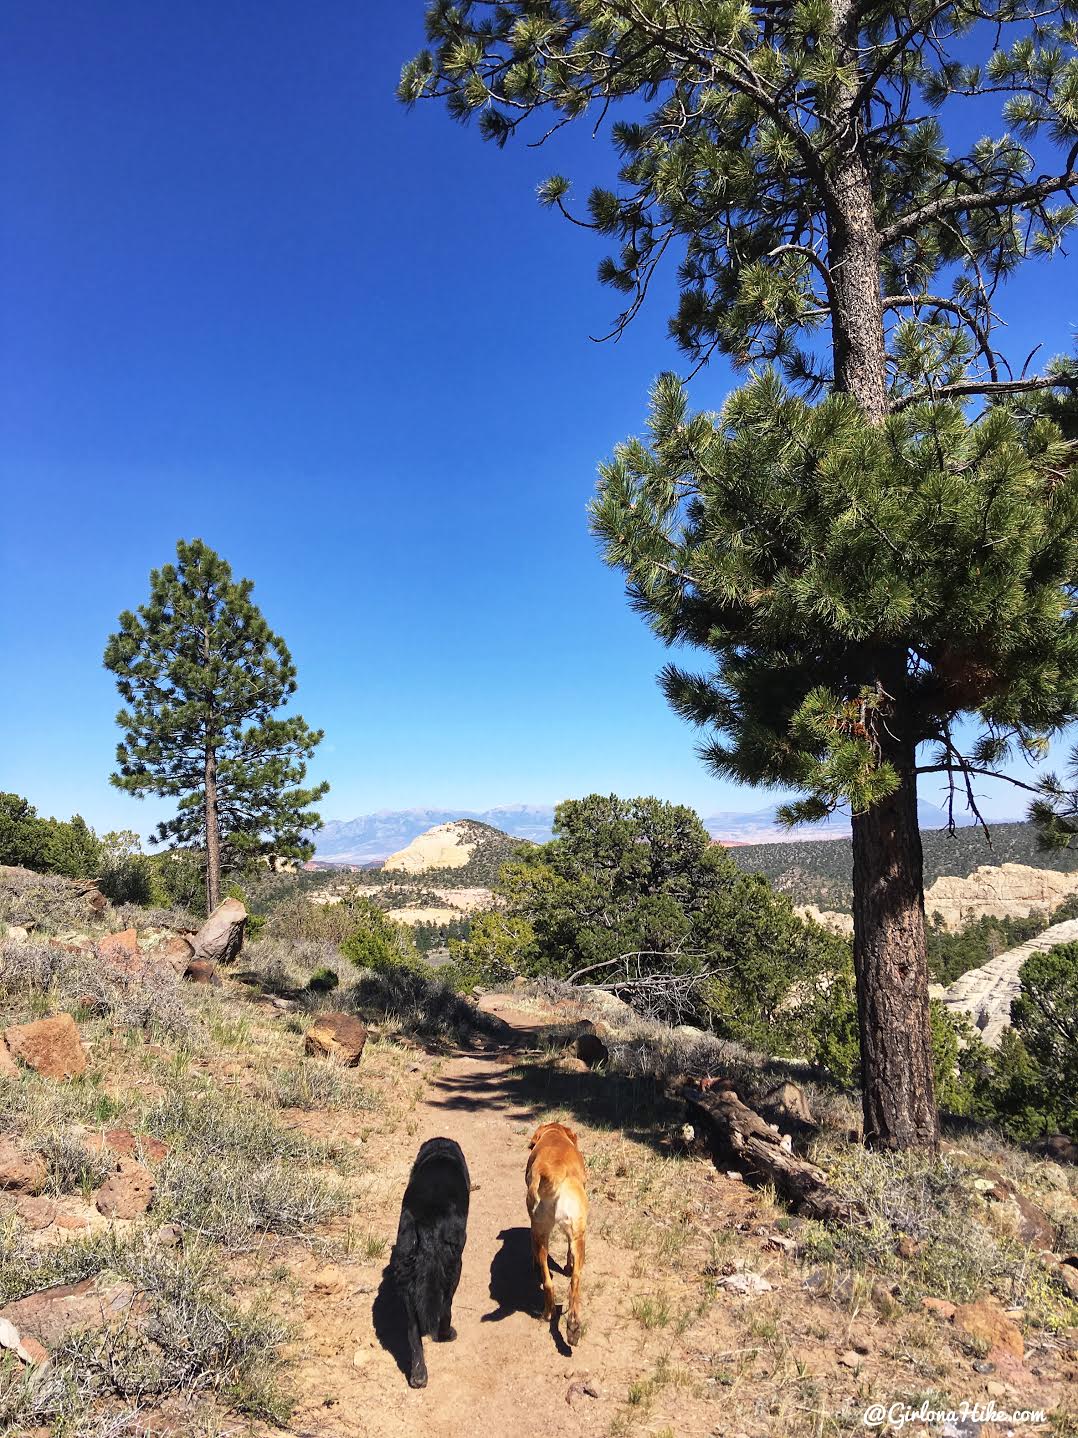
x: 71, y: 1166
x: 419, y: 1004
x: 315, y: 1084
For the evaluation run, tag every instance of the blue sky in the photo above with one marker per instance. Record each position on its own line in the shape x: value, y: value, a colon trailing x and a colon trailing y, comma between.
x: 247, y: 296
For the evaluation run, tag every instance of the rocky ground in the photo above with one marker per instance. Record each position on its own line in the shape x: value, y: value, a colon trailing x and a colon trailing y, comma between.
x: 201, y: 1182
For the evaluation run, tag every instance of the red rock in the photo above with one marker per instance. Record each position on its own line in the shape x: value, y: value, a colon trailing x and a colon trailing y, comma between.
x: 123, y: 1142
x: 201, y: 971
x: 49, y: 1046
x: 71, y: 1221
x: 49, y: 1316
x: 940, y: 1307
x: 121, y: 951
x: 36, y: 1213
x: 19, y: 1172
x: 128, y: 1192
x: 221, y: 936
x: 338, y: 1036
x: 988, y: 1325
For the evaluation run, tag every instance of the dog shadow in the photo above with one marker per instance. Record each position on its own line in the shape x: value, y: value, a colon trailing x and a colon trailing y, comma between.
x: 514, y: 1285
x: 391, y: 1323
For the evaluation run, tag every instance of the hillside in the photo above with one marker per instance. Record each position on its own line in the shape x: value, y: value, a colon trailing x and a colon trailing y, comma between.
x: 815, y: 871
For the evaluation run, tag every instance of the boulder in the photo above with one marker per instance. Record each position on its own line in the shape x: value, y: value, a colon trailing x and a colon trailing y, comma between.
x: 127, y: 1192
x: 1031, y: 1223
x: 1067, y: 1273
x: 790, y: 1102
x: 36, y: 1213
x: 941, y: 1307
x: 1059, y: 1148
x: 19, y: 1172
x: 987, y: 1325
x: 51, y: 1315
x: 51, y: 1047
x: 221, y: 937
x: 121, y: 951
x: 176, y: 952
x: 201, y: 971
x: 591, y: 1050
x: 16, y: 933
x: 337, y: 1036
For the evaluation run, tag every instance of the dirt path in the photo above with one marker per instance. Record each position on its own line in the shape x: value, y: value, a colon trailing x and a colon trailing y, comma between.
x: 507, y: 1371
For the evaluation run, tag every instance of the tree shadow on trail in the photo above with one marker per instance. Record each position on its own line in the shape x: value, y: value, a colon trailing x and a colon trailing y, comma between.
x: 514, y: 1286
x: 391, y: 1324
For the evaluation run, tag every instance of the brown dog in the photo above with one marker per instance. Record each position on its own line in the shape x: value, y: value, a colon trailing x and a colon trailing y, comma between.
x: 557, y: 1202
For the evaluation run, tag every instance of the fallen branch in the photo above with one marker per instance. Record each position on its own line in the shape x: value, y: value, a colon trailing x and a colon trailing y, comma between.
x: 739, y: 1134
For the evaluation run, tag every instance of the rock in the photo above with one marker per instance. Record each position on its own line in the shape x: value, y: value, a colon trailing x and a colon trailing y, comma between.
x: 591, y: 1050
x: 1059, y: 1148
x: 221, y: 936
x: 121, y: 952
x: 16, y: 934
x: 907, y: 1247
x: 940, y: 1307
x: 568, y: 1064
x: 49, y: 1316
x: 1067, y: 1273
x: 850, y: 1359
x: 201, y: 971
x: 72, y: 1221
x: 128, y: 1192
x: 36, y: 1213
x: 790, y: 1101
x: 338, y: 1036
x: 176, y: 952
x: 748, y: 1285
x: 996, y: 1389
x: 989, y: 1326
x: 51, y: 1046
x: 19, y: 1173
x: 12, y: 1339
x: 169, y: 1235
x: 8, y: 1067
x: 124, y: 1143
x: 583, y: 1385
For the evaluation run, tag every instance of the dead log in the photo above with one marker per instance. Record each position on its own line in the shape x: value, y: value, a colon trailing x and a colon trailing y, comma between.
x: 740, y: 1136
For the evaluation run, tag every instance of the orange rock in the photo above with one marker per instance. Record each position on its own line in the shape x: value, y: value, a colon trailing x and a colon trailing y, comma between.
x: 48, y: 1046
x: 339, y: 1036
x: 128, y: 1192
x: 987, y: 1324
x: 940, y: 1307
x: 19, y: 1172
x: 120, y: 950
x: 128, y: 1145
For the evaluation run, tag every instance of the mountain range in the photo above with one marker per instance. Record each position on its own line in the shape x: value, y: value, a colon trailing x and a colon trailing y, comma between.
x: 370, y: 838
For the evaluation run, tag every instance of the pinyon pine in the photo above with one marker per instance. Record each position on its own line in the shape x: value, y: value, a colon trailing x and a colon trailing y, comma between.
x: 202, y: 675
x: 881, y: 581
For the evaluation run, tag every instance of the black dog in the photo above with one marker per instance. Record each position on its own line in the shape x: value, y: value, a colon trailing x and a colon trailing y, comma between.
x: 430, y: 1240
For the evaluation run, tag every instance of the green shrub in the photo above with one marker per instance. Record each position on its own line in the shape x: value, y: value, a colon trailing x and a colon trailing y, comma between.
x: 377, y: 942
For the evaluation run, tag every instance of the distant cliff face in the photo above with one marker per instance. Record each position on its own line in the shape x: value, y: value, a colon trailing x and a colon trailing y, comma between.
x: 1004, y: 891
x: 445, y: 846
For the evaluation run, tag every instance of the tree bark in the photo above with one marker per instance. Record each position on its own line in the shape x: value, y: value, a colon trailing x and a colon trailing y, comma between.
x: 860, y: 353
x: 213, y: 833
x: 897, y: 1089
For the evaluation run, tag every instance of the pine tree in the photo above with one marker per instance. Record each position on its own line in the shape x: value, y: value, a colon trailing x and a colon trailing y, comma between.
x: 202, y: 675
x: 871, y: 573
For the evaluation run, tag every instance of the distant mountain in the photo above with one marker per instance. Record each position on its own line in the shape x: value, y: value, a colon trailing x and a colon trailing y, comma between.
x: 373, y: 837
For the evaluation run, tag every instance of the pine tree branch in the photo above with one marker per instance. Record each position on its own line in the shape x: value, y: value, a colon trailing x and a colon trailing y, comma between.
x: 988, y: 387
x: 939, y: 302
x: 982, y: 200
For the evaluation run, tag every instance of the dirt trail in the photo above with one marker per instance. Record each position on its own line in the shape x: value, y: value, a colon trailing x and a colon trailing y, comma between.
x: 507, y: 1371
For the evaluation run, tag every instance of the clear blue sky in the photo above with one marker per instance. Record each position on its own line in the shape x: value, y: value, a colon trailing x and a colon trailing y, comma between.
x: 247, y: 296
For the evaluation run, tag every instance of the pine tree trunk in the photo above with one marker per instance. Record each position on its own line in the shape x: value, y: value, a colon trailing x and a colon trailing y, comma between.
x: 860, y: 354
x: 213, y: 834
x: 892, y: 972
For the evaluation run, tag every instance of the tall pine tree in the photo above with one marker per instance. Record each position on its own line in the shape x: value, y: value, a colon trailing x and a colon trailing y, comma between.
x: 202, y: 675
x: 868, y: 573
